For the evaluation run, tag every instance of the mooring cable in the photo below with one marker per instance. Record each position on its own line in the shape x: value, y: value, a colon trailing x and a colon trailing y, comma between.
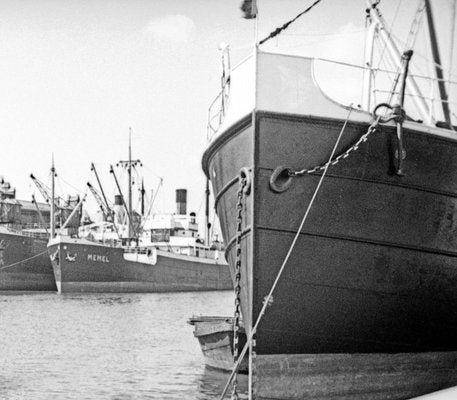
x: 22, y: 261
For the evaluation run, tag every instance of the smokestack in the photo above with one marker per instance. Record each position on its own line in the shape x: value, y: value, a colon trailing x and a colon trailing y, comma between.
x: 119, y: 210
x: 181, y: 201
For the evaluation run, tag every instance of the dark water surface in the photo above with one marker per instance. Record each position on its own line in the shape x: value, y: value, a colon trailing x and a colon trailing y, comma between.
x: 107, y: 346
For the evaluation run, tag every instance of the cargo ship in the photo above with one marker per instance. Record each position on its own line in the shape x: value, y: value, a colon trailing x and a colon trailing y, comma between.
x: 138, y: 252
x: 167, y: 256
x: 24, y: 235
x: 345, y: 248
x: 24, y: 263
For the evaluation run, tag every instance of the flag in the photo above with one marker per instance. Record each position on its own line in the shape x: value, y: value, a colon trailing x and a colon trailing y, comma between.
x: 249, y: 9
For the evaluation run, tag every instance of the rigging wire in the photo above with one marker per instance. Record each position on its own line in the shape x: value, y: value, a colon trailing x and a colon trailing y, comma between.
x: 389, y: 33
x: 78, y: 190
x: 410, y: 41
x: 326, y: 34
x: 283, y: 27
x: 415, y: 26
x: 388, y: 65
x: 24, y: 260
x: 430, y: 60
x: 451, y: 44
x: 148, y: 213
x: 201, y: 203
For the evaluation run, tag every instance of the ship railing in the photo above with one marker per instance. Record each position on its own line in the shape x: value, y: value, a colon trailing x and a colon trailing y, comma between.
x: 22, y: 230
x: 218, y: 107
x: 35, y: 226
x: 39, y: 235
x: 12, y: 227
x: 216, y: 113
x: 381, y: 85
x: 137, y: 250
x: 345, y: 83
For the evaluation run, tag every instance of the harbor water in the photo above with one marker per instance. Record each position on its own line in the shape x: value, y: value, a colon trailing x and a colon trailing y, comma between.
x: 107, y: 346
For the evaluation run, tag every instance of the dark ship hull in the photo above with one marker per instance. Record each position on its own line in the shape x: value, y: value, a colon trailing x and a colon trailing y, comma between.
x: 366, y: 306
x: 24, y: 263
x: 83, y: 266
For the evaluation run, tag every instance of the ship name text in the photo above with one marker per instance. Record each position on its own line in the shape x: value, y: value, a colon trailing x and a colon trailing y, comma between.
x: 97, y: 258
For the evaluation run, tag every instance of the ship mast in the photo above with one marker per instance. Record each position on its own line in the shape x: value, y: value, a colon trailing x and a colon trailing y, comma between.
x: 207, y: 224
x: 143, y: 192
x: 128, y: 164
x: 129, y: 169
x: 129, y: 226
x: 53, y: 223
x: 438, y: 67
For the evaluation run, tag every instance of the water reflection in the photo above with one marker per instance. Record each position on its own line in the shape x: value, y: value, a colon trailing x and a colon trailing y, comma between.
x: 212, y: 382
x: 100, y: 298
x: 107, y: 346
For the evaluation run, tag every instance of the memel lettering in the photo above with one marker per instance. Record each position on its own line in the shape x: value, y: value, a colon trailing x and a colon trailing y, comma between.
x: 97, y: 257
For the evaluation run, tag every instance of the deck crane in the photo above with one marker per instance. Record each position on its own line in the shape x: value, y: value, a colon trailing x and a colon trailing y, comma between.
x: 44, y: 190
x: 63, y: 206
x: 106, y: 211
x: 43, y: 222
x: 100, y: 198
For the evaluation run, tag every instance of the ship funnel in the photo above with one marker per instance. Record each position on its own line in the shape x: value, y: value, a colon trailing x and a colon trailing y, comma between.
x: 119, y: 210
x: 181, y: 201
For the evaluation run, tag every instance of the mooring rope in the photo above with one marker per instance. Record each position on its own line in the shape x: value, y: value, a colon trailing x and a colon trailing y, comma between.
x: 267, y: 299
x: 277, y: 31
x: 22, y: 261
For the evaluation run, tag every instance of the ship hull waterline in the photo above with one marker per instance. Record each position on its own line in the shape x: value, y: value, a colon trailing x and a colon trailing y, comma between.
x: 374, y: 268
x: 87, y: 267
x: 24, y: 264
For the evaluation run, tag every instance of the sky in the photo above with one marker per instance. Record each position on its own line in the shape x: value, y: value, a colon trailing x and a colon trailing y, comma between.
x: 75, y: 75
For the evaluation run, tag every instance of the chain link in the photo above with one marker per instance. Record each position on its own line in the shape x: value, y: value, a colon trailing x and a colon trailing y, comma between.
x: 372, y: 128
x: 254, y: 367
x: 236, y: 320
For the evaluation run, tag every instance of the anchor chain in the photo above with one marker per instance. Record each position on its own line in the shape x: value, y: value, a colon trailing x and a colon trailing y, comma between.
x: 281, y: 178
x: 243, y: 182
x: 372, y: 128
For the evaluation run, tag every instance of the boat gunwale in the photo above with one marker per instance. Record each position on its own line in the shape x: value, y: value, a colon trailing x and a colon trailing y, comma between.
x: 246, y: 121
